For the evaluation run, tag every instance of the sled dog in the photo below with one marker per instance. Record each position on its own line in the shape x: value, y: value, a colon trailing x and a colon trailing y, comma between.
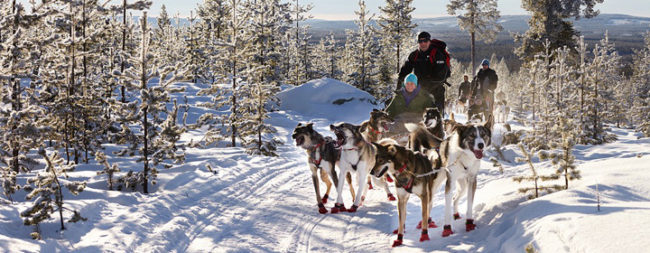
x: 373, y: 130
x: 501, y: 111
x: 415, y: 173
x: 461, y: 154
x: 322, y: 155
x: 357, y: 156
x: 428, y: 133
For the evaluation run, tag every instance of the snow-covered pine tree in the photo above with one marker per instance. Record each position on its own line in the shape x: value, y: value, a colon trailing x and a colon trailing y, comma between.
x: 563, y: 158
x: 549, y: 21
x: 640, y: 115
x: 328, y: 56
x: 298, y: 60
x: 47, y: 191
x: 108, y: 169
x: 213, y: 15
x: 158, y: 135
x: 359, y: 45
x: 235, y: 50
x: 535, y: 176
x: 124, y: 52
x: 396, y: 29
x: 21, y: 118
x: 192, y: 52
x: 602, y: 76
x: 479, y: 19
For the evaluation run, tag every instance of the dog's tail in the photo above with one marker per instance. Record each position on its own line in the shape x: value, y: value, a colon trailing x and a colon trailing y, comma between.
x: 411, y: 127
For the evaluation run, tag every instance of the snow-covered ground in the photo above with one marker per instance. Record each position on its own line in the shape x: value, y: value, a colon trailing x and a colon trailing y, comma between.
x: 266, y: 204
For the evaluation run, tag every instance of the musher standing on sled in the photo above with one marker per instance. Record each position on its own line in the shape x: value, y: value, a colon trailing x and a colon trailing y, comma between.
x: 430, y: 63
x: 486, y: 84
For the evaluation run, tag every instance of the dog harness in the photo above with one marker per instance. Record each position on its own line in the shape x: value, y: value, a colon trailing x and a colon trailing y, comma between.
x: 372, y: 130
x: 316, y: 162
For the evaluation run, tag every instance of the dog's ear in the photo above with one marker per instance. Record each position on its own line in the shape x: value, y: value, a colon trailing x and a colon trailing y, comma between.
x: 392, y: 149
x: 460, y: 128
x: 299, y: 124
x: 374, y: 110
x: 489, y: 123
x: 451, y: 117
x: 310, y: 125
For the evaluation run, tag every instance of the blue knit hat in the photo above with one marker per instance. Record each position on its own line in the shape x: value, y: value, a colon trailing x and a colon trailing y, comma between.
x: 485, y: 62
x: 411, y: 78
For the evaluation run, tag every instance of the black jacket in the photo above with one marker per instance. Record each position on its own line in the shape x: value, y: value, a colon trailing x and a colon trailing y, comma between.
x: 430, y: 72
x: 486, y: 80
x: 464, y: 88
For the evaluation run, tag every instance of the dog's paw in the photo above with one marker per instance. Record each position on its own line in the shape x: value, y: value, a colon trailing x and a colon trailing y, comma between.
x: 325, y: 197
x: 469, y: 225
x: 370, y: 186
x: 431, y: 224
x: 424, y: 236
x: 353, y: 209
x: 338, y: 208
x: 391, y: 197
x: 446, y: 231
x: 398, y: 242
x: 456, y: 216
x: 322, y: 209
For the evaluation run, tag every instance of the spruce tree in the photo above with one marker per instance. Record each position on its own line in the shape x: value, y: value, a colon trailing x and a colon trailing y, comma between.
x: 549, y: 21
x: 396, y: 29
x: 479, y: 20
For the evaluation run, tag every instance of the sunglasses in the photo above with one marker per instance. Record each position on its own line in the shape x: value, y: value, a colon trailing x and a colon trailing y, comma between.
x: 422, y: 41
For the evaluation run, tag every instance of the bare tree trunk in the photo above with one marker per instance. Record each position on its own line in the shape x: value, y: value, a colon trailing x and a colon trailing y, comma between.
x: 234, y: 75
x: 145, y: 122
x: 123, y: 62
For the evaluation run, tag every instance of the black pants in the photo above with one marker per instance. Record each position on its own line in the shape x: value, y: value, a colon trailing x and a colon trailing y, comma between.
x: 438, y: 92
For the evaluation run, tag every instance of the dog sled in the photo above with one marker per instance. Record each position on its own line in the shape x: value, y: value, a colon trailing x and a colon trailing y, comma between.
x: 397, y: 130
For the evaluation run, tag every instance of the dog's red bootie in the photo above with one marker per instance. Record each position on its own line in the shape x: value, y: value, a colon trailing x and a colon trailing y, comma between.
x: 469, y: 225
x: 369, y: 186
x: 353, y: 209
x: 391, y: 197
x: 431, y: 224
x: 389, y: 179
x: 322, y: 209
x: 325, y: 197
x: 424, y: 236
x: 446, y: 231
x: 338, y: 208
x: 398, y: 242
x: 456, y: 216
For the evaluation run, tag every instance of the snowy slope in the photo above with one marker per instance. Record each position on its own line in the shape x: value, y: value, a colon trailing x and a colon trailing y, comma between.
x: 267, y: 204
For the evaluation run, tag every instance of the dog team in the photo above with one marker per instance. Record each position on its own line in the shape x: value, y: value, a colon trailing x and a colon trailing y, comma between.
x: 438, y: 152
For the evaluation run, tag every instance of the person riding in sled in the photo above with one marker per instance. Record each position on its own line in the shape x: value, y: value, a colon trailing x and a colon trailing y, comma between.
x: 430, y: 63
x: 410, y: 100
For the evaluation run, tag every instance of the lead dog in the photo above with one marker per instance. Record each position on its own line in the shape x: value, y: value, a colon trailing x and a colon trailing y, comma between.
x: 461, y: 155
x: 322, y: 155
x: 415, y: 173
x: 357, y: 155
x: 373, y: 130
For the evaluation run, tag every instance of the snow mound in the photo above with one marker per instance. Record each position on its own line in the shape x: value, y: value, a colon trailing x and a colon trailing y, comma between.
x: 327, y: 98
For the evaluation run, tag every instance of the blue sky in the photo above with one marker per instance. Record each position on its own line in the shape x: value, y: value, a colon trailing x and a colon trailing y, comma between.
x: 344, y: 9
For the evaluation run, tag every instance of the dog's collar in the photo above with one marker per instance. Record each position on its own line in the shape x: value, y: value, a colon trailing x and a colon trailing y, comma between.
x: 372, y: 130
x: 402, y: 168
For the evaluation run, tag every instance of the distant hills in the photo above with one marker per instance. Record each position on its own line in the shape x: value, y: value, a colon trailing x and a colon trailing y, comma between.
x: 624, y: 30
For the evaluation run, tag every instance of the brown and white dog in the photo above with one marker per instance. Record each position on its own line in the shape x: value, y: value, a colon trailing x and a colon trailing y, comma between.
x: 428, y: 134
x: 414, y: 173
x: 357, y: 156
x: 322, y: 155
x: 373, y: 130
x: 461, y: 154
